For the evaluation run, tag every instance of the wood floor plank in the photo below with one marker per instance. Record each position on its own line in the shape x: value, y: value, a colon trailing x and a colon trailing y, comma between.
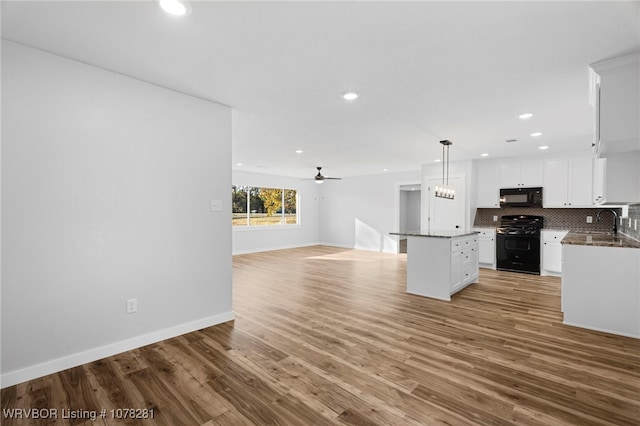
x: 326, y: 335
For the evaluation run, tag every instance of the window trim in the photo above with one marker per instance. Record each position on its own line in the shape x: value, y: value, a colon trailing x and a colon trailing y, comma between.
x: 280, y: 226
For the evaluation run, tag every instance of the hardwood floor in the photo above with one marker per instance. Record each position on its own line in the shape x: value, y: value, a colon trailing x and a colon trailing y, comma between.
x: 328, y: 336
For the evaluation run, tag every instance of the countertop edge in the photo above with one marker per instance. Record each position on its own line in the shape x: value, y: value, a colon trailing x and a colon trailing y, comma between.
x: 600, y: 240
x: 435, y: 234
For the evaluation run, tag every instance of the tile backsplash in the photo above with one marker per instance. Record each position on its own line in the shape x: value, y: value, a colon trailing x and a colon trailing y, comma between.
x: 569, y: 219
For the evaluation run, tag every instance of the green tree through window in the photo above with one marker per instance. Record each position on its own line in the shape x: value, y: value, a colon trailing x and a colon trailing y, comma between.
x: 259, y: 206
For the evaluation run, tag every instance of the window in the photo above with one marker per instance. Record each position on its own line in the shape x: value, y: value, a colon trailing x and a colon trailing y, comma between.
x: 254, y: 206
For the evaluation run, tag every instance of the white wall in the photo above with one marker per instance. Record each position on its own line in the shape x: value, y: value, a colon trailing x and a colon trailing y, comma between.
x: 247, y: 240
x: 360, y: 212
x: 107, y: 185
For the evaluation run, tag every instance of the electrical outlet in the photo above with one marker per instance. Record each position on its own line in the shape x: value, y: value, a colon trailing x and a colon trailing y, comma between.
x: 589, y: 219
x: 495, y: 218
x: 216, y: 205
x: 132, y: 305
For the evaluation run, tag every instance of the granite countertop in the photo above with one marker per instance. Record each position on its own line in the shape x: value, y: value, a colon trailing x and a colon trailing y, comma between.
x: 600, y: 239
x: 435, y: 233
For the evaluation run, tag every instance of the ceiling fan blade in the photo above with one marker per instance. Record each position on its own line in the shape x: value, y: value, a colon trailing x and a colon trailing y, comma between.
x: 321, y: 178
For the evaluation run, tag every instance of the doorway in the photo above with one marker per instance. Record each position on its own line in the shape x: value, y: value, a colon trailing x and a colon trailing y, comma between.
x: 409, y: 211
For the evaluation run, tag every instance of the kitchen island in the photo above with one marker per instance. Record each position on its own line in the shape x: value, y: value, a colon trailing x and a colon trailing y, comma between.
x: 601, y: 282
x: 440, y: 263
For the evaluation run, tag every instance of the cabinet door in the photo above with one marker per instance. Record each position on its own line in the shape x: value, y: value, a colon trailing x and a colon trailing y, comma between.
x: 516, y: 174
x: 488, y: 186
x: 552, y: 256
x: 470, y: 265
x: 456, y: 270
x: 556, y: 189
x: 510, y: 175
x: 531, y: 173
x: 487, y: 247
x: 581, y: 182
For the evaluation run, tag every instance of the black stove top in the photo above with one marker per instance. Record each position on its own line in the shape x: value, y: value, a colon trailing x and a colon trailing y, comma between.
x: 520, y: 225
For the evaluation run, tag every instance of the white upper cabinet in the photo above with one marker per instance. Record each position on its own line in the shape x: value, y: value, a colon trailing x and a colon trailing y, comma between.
x: 615, y: 93
x: 488, y: 185
x: 568, y: 182
x: 519, y: 174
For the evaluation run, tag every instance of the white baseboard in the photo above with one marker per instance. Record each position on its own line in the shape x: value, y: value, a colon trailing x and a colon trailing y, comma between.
x: 272, y: 248
x: 33, y: 372
x: 603, y: 330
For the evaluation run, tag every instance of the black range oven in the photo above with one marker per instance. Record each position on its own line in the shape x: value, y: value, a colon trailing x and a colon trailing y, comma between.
x: 518, y: 243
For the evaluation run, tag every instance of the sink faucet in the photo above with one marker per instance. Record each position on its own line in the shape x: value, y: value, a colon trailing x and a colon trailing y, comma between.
x: 615, y: 219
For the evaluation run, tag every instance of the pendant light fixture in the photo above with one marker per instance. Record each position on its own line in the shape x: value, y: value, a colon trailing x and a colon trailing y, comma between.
x: 444, y: 191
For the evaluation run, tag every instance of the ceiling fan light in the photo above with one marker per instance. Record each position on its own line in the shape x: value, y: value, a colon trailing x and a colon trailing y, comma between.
x: 319, y: 181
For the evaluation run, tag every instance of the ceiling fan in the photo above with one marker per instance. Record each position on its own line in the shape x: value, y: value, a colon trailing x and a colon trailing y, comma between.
x: 319, y: 178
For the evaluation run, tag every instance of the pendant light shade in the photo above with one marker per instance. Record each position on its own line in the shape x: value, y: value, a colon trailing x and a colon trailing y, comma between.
x: 445, y: 191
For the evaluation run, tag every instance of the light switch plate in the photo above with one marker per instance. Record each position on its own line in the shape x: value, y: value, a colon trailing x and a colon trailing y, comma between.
x: 216, y: 205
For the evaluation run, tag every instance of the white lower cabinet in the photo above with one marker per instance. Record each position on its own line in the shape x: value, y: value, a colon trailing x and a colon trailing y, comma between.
x: 486, y: 247
x: 439, y: 267
x: 552, y: 252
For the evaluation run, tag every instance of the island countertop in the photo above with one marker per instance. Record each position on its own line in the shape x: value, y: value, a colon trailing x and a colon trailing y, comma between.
x: 597, y: 239
x: 434, y: 233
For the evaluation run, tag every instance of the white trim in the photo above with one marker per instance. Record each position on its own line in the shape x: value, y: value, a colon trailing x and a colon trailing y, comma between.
x: 602, y: 330
x: 396, y: 208
x: 18, y: 376
x: 249, y: 228
x: 273, y: 248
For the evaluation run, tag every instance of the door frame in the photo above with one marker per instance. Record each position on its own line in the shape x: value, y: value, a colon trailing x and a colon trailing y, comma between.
x: 396, y: 206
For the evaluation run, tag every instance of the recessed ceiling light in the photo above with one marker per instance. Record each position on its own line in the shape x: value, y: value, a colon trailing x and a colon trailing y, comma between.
x: 437, y: 160
x: 484, y: 154
x: 525, y: 115
x: 543, y: 147
x: 350, y: 96
x: 385, y: 170
x: 238, y: 164
x: 299, y: 151
x: 536, y: 134
x: 175, y: 7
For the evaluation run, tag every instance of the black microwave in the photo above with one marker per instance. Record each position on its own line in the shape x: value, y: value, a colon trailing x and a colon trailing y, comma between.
x: 521, y: 197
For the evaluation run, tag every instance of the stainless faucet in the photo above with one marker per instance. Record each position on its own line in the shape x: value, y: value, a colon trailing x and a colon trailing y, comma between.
x: 615, y: 219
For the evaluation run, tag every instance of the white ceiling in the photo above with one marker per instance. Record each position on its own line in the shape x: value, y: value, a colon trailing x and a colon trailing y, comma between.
x: 425, y: 71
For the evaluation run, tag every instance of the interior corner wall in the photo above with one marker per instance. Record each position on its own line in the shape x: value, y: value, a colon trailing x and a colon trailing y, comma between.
x: 360, y: 212
x: 305, y: 233
x: 107, y: 183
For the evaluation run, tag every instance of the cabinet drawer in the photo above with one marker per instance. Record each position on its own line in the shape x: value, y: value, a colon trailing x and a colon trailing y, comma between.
x: 553, y: 236
x: 487, y: 234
